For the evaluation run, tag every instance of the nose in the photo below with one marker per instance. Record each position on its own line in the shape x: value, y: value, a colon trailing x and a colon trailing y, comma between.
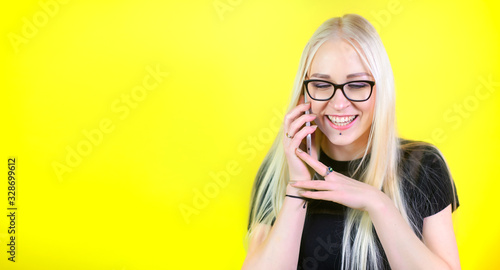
x: 339, y: 101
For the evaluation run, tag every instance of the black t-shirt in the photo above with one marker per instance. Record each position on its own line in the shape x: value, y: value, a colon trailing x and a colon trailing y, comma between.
x: 427, y: 188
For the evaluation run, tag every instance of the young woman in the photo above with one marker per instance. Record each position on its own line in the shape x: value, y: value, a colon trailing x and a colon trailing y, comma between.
x: 381, y: 202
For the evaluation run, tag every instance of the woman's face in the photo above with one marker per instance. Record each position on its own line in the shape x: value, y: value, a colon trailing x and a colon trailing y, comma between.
x: 346, y: 124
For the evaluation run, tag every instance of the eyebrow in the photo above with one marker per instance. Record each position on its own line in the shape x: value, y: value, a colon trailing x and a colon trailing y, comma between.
x: 326, y: 76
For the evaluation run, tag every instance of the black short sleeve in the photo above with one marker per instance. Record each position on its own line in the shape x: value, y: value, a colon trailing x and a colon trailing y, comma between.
x: 431, y: 188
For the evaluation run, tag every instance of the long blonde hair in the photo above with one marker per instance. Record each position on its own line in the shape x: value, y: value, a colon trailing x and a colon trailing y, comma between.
x: 359, y: 248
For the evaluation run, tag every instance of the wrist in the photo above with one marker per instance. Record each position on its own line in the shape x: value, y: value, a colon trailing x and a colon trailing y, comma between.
x: 380, y: 204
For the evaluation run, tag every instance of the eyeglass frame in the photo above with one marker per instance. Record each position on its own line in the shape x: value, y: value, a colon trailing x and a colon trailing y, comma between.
x: 339, y: 86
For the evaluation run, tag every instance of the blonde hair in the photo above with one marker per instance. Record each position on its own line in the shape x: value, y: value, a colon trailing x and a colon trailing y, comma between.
x: 359, y: 248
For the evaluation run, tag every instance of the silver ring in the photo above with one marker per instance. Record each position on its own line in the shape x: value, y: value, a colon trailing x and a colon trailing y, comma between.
x: 328, y: 171
x: 288, y: 135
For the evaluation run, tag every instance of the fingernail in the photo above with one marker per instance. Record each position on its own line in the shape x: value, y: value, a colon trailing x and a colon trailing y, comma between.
x: 314, y: 126
x: 292, y: 182
x: 300, y: 150
x: 300, y: 192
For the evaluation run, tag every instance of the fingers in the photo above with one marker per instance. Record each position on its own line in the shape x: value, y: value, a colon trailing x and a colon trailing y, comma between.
x: 317, y: 190
x: 342, y: 190
x: 299, y: 137
x: 315, y: 164
x: 294, y: 114
x: 299, y: 122
x: 313, y: 184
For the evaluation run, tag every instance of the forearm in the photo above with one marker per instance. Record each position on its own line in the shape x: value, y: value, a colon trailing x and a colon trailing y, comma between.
x: 403, y: 248
x: 280, y: 249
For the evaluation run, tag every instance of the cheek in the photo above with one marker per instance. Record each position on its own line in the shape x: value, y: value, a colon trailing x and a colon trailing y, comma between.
x: 368, y: 107
x: 317, y: 108
x: 368, y: 110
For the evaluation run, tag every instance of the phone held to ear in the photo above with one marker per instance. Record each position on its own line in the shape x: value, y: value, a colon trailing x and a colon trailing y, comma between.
x: 308, y: 124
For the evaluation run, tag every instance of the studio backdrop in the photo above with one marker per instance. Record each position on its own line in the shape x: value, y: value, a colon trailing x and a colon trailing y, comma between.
x: 132, y: 130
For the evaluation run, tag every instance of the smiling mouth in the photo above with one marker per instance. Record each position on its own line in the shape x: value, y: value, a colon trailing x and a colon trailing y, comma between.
x: 342, y: 120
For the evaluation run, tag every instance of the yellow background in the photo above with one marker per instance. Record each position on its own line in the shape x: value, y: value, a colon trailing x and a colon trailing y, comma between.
x: 68, y: 67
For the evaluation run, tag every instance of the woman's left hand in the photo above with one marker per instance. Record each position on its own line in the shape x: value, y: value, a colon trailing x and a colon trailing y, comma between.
x: 338, y: 187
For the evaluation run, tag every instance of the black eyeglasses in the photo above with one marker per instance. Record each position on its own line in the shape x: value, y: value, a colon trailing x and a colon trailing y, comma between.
x: 356, y: 91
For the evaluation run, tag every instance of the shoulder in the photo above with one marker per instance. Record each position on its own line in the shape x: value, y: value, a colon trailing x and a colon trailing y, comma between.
x: 427, y: 180
x: 419, y: 150
x: 421, y: 157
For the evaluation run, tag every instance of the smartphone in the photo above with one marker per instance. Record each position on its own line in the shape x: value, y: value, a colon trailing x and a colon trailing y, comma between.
x: 308, y: 124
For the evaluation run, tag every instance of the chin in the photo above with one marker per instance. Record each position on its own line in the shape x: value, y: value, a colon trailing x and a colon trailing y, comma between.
x: 334, y: 137
x: 341, y: 139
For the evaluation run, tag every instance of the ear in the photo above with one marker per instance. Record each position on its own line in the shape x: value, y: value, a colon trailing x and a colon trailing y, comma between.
x: 301, y: 99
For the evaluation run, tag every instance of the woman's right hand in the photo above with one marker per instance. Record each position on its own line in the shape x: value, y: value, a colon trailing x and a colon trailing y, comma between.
x: 294, y: 127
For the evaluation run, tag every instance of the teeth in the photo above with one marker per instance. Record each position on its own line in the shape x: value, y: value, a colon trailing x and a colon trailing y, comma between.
x: 341, y: 121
